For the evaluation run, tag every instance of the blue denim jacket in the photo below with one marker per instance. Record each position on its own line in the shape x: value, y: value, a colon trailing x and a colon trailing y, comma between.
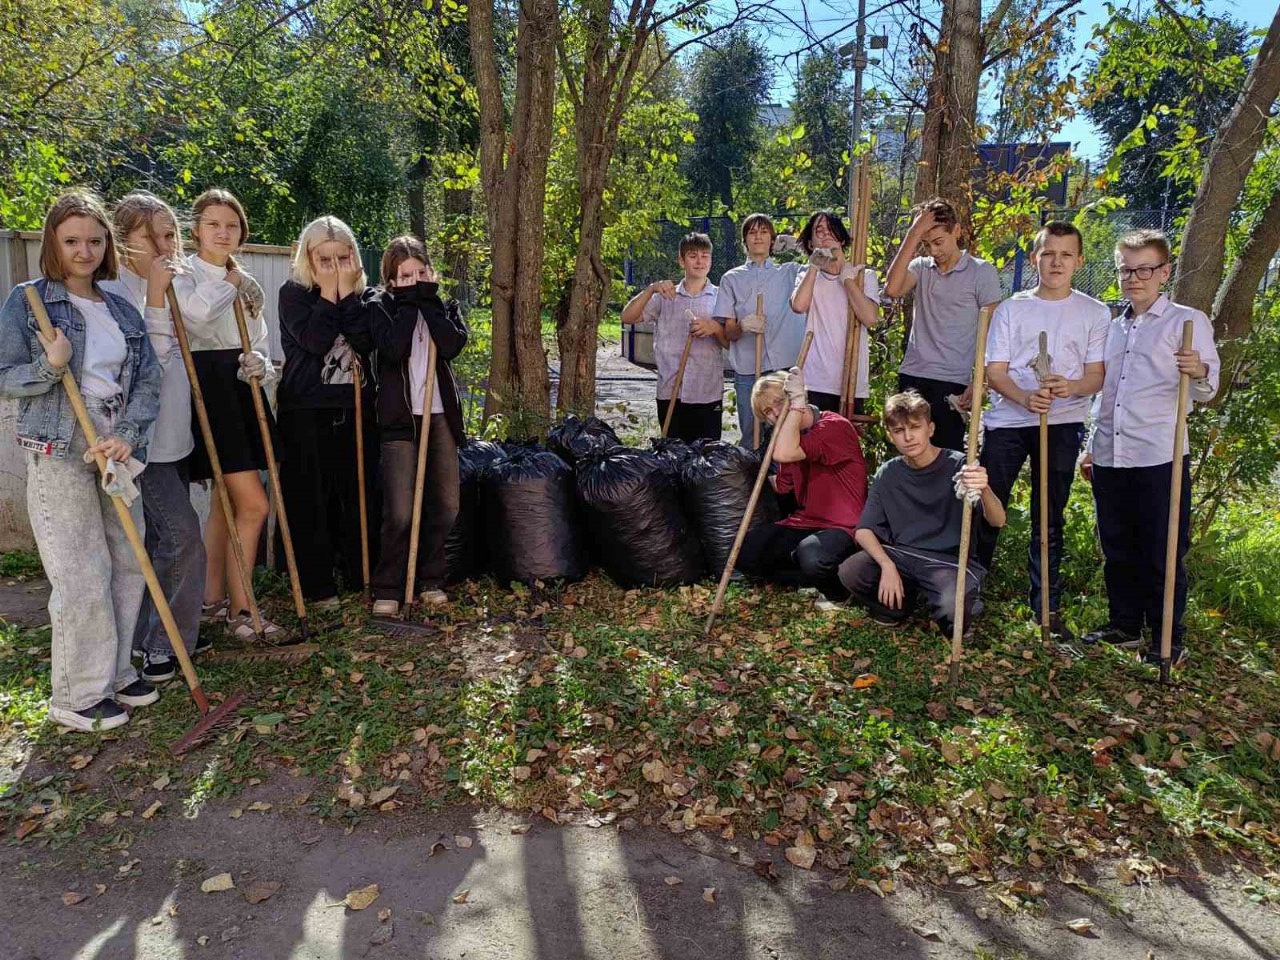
x: 45, y: 418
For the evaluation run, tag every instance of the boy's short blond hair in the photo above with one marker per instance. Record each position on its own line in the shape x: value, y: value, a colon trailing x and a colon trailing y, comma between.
x: 906, y: 407
x: 766, y: 393
x: 1142, y: 239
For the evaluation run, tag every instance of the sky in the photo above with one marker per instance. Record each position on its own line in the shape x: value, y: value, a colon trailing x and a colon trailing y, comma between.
x: 798, y: 22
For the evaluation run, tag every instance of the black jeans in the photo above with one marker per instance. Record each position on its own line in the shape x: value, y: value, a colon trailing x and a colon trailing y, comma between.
x: 948, y: 426
x: 926, y: 576
x: 1004, y: 451
x: 830, y: 402
x: 797, y: 557
x: 1133, y: 519
x: 693, y: 421
x: 321, y: 494
x: 439, y: 510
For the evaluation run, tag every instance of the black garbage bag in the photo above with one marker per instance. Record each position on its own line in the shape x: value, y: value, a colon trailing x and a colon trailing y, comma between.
x: 530, y: 518
x: 671, y: 454
x: 716, y: 485
x: 633, y: 515
x: 465, y: 553
x: 575, y: 437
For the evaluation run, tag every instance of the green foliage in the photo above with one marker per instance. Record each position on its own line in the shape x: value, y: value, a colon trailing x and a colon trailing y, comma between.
x: 821, y: 107
x: 36, y: 178
x: 1235, y: 566
x: 20, y: 565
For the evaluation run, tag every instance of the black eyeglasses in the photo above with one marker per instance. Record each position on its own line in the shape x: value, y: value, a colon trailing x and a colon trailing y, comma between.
x: 1142, y: 273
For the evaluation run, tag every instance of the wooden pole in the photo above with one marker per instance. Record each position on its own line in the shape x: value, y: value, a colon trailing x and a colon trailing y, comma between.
x: 356, y: 380
x: 1175, y: 511
x: 755, y: 421
x: 273, y: 472
x: 679, y: 381
x: 126, y: 517
x: 1043, y: 365
x: 966, y: 523
x: 420, y: 479
x: 215, y: 462
x: 763, y: 475
x: 858, y: 252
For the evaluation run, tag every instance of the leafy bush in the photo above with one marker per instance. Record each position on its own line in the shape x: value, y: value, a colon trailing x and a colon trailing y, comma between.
x: 1235, y: 567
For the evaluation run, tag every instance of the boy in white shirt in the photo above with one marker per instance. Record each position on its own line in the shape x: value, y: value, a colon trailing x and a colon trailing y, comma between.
x: 1130, y: 458
x: 1076, y: 326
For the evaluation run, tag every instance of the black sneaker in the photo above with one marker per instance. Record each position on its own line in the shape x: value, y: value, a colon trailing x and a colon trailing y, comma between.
x: 103, y: 715
x: 1177, y: 657
x: 1114, y: 637
x: 138, y: 694
x: 880, y: 621
x: 204, y: 642
x: 157, y: 667
x: 1059, y: 629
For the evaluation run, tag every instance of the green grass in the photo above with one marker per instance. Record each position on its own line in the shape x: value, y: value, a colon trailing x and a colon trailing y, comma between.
x: 20, y: 565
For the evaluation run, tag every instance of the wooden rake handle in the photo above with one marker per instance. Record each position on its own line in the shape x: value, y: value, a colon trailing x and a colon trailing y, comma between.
x: 357, y: 383
x: 679, y: 382
x: 1175, y: 510
x: 755, y: 422
x: 420, y: 478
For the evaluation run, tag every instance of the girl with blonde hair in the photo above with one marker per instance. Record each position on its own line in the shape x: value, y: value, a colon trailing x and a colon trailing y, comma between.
x: 325, y: 335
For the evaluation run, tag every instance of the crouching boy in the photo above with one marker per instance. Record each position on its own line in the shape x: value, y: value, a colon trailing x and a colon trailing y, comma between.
x: 909, y: 531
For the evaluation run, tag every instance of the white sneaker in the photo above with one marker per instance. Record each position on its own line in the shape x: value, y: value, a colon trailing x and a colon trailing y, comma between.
x: 386, y: 608
x: 829, y: 607
x: 434, y: 598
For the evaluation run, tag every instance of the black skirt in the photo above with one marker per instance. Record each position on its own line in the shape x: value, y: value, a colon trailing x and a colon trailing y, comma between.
x: 232, y: 417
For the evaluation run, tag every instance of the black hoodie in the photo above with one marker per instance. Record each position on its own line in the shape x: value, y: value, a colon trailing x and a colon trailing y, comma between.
x: 392, y: 316
x: 320, y: 340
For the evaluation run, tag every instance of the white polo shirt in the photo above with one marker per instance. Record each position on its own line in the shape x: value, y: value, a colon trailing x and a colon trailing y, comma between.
x: 828, y: 318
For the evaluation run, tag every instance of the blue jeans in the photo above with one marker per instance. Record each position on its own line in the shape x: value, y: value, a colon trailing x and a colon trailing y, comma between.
x: 1004, y: 451
x: 742, y: 384
x: 177, y: 553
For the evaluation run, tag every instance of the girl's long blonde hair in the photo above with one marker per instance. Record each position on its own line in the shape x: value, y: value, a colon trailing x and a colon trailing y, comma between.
x: 138, y: 209
x: 318, y: 231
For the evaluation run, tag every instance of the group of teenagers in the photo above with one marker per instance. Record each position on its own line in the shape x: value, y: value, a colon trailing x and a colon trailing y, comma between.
x: 118, y: 288
x: 1108, y: 385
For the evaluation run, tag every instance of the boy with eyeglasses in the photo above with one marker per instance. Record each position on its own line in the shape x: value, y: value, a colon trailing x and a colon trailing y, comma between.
x: 1130, y: 453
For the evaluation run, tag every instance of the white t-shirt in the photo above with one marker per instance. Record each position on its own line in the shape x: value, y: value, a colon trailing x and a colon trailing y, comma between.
x: 104, y: 349
x: 1077, y: 327
x: 828, y: 318
x: 418, y: 371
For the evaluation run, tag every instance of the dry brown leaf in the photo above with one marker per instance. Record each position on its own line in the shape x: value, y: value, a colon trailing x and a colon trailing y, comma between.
x: 100, y: 888
x: 1133, y: 698
x: 384, y: 914
x: 259, y: 806
x: 801, y: 857
x: 359, y: 899
x: 672, y: 881
x: 866, y: 680
x: 217, y: 883
x: 1176, y: 760
x: 462, y: 841
x: 260, y: 890
x: 80, y: 761
x: 379, y: 797
x: 1081, y: 926
x: 534, y: 754
x: 462, y: 897
x: 152, y: 810
x: 71, y: 898
x: 520, y: 829
x: 522, y: 772
x: 709, y: 894
x: 926, y: 933
x: 160, y: 782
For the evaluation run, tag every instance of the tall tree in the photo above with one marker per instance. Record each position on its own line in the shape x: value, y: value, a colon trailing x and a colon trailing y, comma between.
x: 821, y: 105
x: 729, y: 84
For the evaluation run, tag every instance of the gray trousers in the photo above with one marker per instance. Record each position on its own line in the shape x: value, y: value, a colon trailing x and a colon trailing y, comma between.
x: 97, y: 583
x: 177, y: 552
x: 928, y: 579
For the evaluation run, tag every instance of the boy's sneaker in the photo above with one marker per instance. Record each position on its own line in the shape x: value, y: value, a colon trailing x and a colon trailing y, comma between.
x: 157, y: 667
x: 138, y: 694
x: 433, y: 597
x: 386, y: 608
x: 325, y: 605
x: 885, y: 622
x: 1177, y: 657
x: 1114, y: 637
x: 829, y: 607
x: 1059, y: 629
x: 103, y: 715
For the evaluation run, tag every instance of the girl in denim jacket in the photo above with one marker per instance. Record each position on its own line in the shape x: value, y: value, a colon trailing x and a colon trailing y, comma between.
x: 99, y: 337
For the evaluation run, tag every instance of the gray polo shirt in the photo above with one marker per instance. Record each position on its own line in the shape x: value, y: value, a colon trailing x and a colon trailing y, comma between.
x: 944, y: 323
x: 704, y: 373
x: 784, y: 329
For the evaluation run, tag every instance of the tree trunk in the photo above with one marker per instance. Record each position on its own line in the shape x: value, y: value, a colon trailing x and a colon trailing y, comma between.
x: 947, y: 154
x: 1203, y: 254
x: 1233, y: 307
x: 457, y: 210
x: 514, y: 172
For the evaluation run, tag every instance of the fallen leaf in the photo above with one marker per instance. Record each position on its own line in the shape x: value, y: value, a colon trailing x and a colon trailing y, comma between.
x: 383, y: 935
x: 1080, y: 926
x: 926, y: 933
x: 203, y: 940
x: 80, y: 761
x: 100, y: 888
x: 379, y: 797
x: 522, y: 772
x: 801, y: 857
x: 462, y: 897
x: 152, y: 810
x: 384, y: 914
x: 25, y: 827
x: 260, y: 890
x: 765, y: 870
x: 360, y: 898
x: 866, y: 680
x: 1133, y: 698
x: 709, y: 894
x: 160, y: 782
x: 520, y: 829
x: 464, y: 842
x: 672, y: 881
x: 71, y: 898
x: 259, y: 806
x: 217, y: 883
x: 236, y: 813
x: 1176, y: 760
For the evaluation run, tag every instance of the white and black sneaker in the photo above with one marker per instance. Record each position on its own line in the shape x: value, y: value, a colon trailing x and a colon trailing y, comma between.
x: 103, y: 715
x: 138, y: 694
x: 158, y: 667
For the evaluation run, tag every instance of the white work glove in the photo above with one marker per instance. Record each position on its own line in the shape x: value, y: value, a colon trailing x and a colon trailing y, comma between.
x: 254, y: 366
x: 797, y: 396
x: 785, y: 243
x: 953, y: 401
x: 117, y: 480
x: 851, y: 271
x: 820, y: 256
x: 752, y: 323
x: 965, y: 492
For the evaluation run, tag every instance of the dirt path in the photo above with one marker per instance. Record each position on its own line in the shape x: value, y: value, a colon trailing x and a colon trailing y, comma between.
x: 552, y: 893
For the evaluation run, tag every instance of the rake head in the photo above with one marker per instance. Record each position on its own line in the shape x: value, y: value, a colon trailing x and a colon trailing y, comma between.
x: 223, y: 715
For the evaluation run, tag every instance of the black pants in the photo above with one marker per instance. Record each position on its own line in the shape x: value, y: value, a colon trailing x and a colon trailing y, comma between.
x: 797, y: 557
x: 949, y: 428
x: 830, y: 402
x: 321, y: 495
x: 439, y: 510
x: 1004, y: 451
x: 927, y: 577
x: 1133, y: 525
x: 693, y: 421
